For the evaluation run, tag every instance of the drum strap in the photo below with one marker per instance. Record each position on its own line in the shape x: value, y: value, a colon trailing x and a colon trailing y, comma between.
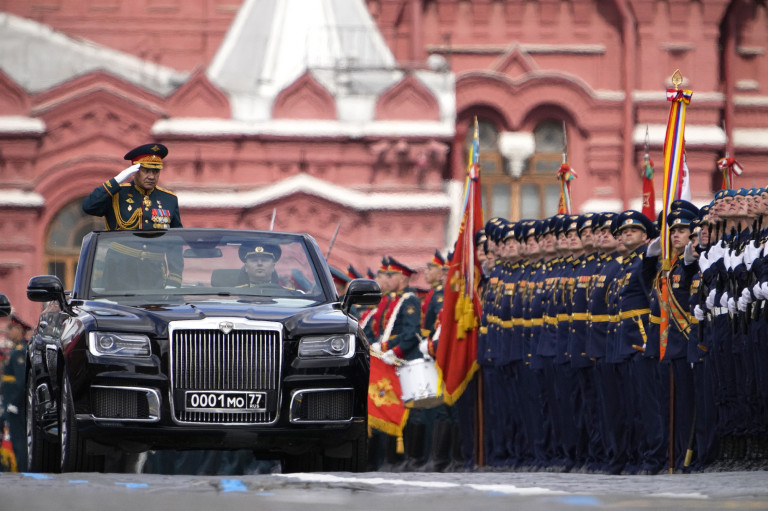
x: 391, y: 323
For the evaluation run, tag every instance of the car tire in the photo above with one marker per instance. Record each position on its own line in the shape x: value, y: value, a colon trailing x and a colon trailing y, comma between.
x: 42, y: 455
x: 73, y: 457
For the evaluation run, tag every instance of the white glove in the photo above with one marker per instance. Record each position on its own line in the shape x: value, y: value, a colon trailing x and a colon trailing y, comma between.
x: 764, y: 290
x: 751, y: 252
x: 757, y: 292
x: 12, y: 409
x: 742, y: 304
x: 704, y: 262
x: 127, y: 173
x: 716, y: 251
x: 654, y: 248
x: 731, y: 304
x: 736, y: 259
x: 727, y: 260
x: 376, y: 346
x: 424, y: 348
x: 388, y: 357
x: 698, y: 313
x: 710, y: 301
x: 689, y: 254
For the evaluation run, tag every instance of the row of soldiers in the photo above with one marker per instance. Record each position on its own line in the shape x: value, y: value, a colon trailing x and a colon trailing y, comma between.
x: 599, y: 351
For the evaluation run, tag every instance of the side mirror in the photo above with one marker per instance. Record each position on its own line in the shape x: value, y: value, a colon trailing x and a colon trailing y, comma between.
x: 5, y: 306
x: 361, y: 292
x: 47, y: 288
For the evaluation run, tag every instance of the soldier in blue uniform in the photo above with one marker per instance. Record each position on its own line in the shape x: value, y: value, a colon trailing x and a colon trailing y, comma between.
x: 132, y: 200
x: 12, y: 388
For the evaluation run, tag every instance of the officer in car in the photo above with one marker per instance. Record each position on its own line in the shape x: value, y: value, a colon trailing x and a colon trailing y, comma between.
x: 132, y: 201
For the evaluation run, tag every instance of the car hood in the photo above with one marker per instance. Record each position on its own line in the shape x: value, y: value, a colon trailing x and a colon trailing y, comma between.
x: 154, y: 319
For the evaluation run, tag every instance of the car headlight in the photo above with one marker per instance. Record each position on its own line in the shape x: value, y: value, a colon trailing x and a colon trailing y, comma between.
x: 342, y: 346
x: 118, y: 344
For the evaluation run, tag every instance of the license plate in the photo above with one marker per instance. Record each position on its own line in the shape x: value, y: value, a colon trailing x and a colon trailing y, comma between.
x: 225, y: 401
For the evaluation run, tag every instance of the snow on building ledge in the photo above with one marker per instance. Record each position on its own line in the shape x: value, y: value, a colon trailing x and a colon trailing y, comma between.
x: 695, y: 135
x: 20, y: 198
x: 309, y: 185
x: 302, y: 128
x: 17, y: 124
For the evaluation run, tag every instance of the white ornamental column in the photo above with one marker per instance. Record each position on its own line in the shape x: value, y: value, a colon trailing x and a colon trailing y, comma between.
x: 516, y: 147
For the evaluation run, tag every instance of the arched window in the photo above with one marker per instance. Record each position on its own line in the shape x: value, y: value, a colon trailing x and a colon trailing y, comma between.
x: 535, y: 193
x: 65, y: 235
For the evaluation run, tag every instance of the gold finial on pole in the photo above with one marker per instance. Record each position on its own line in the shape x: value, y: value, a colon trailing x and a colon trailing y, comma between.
x: 677, y: 79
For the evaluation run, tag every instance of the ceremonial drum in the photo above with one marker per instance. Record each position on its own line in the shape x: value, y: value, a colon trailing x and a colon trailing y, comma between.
x: 418, y: 381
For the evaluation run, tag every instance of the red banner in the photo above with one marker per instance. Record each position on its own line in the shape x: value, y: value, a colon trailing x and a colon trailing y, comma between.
x: 456, y: 356
x: 386, y: 411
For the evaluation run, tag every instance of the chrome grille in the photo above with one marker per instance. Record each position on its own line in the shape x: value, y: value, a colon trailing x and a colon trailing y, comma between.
x: 210, y: 360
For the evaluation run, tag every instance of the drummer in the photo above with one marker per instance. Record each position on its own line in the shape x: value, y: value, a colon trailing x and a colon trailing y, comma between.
x: 400, y: 336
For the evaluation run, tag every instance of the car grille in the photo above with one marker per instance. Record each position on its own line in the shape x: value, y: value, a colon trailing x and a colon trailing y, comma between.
x: 119, y: 404
x: 322, y: 405
x: 211, y: 360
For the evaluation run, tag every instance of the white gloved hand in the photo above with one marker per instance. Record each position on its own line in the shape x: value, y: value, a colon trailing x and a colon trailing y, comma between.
x: 716, y: 251
x: 731, y: 304
x: 727, y: 260
x: 689, y: 254
x: 12, y: 409
x: 654, y: 248
x: 376, y: 346
x: 388, y: 357
x: 751, y: 252
x: 424, y: 348
x: 127, y: 173
x: 698, y: 313
x: 710, y: 301
x: 736, y: 259
x: 764, y: 290
x: 704, y: 262
x: 757, y: 292
x: 742, y: 304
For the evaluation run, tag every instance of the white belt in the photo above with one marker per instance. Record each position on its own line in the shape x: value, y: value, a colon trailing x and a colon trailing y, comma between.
x: 719, y: 311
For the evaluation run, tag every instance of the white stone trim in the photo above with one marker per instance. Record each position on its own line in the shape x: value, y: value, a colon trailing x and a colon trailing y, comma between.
x: 21, y: 198
x: 695, y: 135
x: 21, y: 124
x: 310, y: 185
x: 303, y: 128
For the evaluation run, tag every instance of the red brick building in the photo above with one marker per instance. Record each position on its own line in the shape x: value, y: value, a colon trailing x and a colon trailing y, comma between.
x: 355, y: 114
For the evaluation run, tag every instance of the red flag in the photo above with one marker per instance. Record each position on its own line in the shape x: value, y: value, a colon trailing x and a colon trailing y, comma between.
x: 649, y: 193
x: 386, y: 411
x: 7, y: 456
x: 456, y: 356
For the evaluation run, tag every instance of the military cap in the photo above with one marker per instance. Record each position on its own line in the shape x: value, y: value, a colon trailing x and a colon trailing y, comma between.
x: 755, y: 192
x: 384, y: 265
x: 531, y: 228
x: 398, y: 267
x: 571, y: 224
x: 607, y: 219
x: 704, y: 211
x: 480, y: 237
x: 721, y: 194
x: 683, y: 204
x: 17, y: 321
x: 490, y: 228
x: 437, y: 260
x: 741, y: 192
x: 509, y: 231
x: 339, y: 276
x: 352, y: 273
x: 369, y: 273
x: 681, y: 218
x: 632, y: 218
x: 258, y: 249
x: 148, y: 155
x: 587, y: 221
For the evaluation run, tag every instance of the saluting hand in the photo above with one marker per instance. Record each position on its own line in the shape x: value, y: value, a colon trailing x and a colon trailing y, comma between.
x: 127, y: 173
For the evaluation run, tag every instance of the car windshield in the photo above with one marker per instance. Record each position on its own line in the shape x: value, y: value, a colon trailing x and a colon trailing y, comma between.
x: 183, y: 265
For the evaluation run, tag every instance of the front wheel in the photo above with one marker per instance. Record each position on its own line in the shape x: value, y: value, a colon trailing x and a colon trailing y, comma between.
x: 41, y: 452
x: 72, y: 448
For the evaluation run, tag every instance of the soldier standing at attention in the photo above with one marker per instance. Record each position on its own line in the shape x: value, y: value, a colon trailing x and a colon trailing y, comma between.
x: 13, y: 382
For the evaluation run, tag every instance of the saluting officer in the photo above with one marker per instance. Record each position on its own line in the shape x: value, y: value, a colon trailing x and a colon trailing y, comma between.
x: 132, y: 199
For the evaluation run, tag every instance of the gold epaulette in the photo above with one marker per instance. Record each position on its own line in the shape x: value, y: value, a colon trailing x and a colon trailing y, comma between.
x: 166, y: 191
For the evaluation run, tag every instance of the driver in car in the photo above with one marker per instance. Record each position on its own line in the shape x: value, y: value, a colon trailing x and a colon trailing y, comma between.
x: 260, y: 263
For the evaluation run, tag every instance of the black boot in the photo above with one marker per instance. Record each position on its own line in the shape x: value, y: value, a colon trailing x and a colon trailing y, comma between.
x: 458, y: 461
x: 440, y: 454
x: 392, y: 459
x: 413, y: 440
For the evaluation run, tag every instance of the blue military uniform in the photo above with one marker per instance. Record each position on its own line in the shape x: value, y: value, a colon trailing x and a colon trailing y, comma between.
x: 13, y: 397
